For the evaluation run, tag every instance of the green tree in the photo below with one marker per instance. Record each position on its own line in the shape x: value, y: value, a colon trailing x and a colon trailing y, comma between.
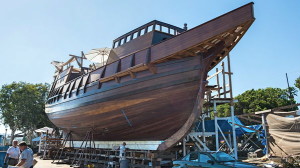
x: 22, y: 107
x: 297, y: 82
x: 257, y: 100
x: 223, y: 110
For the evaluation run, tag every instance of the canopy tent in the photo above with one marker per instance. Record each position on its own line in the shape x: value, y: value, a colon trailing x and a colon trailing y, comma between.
x: 226, y: 126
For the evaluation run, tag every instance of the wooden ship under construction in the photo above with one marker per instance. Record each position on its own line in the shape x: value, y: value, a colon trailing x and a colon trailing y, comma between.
x: 149, y: 86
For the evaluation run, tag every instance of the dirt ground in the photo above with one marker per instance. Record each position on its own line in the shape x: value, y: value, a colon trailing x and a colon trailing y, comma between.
x: 48, y: 164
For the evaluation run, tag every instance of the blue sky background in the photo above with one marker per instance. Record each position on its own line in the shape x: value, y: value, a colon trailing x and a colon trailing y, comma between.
x: 34, y: 33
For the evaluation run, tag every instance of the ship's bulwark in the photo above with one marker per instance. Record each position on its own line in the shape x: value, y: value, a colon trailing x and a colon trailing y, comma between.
x: 152, y: 107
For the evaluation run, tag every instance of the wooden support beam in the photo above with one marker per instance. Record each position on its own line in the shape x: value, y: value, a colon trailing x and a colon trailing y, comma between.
x: 65, y: 94
x: 101, y: 76
x: 117, y: 79
x: 264, y: 111
x: 245, y: 127
x: 148, y: 56
x: 132, y: 74
x: 251, y: 115
x: 208, y: 78
x: 246, y: 118
x: 277, y: 108
x: 132, y: 60
x: 286, y: 107
x: 86, y: 82
x: 152, y: 68
x: 78, y: 88
x: 72, y: 88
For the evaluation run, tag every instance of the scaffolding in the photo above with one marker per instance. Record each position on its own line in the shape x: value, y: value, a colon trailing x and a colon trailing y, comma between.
x: 219, y: 91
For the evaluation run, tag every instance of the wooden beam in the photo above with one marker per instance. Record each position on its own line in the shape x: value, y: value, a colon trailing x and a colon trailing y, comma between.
x: 208, y: 78
x: 152, y: 68
x: 132, y: 74
x: 286, y: 107
x: 86, y: 82
x: 245, y: 127
x: 264, y: 111
x: 117, y: 79
x: 246, y: 118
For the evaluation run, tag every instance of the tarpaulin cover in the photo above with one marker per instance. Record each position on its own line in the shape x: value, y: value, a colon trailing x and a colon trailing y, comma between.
x: 284, y: 136
x: 226, y: 126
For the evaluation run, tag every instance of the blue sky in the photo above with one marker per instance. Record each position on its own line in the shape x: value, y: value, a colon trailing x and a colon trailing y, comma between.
x: 34, y: 33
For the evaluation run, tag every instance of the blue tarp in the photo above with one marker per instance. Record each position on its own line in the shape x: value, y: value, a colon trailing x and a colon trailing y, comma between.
x: 37, y: 139
x: 226, y: 126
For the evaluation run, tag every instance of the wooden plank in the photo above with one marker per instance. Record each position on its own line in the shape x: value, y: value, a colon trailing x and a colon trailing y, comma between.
x: 286, y: 107
x: 264, y: 111
x: 247, y: 118
x: 213, y: 75
x: 245, y: 127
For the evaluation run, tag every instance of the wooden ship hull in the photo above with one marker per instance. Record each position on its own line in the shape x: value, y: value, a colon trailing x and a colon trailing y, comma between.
x: 153, y: 91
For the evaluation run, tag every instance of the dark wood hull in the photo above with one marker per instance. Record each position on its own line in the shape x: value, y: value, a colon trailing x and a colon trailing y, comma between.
x: 156, y: 105
x: 153, y: 94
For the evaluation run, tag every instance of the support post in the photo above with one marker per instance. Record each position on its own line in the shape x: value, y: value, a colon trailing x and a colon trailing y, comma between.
x: 263, y: 118
x: 224, y: 80
x: 216, y: 124
x: 184, y: 147
x: 218, y: 82
x: 233, y: 132
x: 203, y: 129
x: 230, y: 139
x: 232, y: 109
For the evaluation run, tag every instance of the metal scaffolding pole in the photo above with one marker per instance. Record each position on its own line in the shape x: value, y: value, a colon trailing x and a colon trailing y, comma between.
x: 233, y: 132
x: 183, y: 146
x: 216, y: 124
x: 203, y: 128
x: 263, y: 118
x: 232, y: 109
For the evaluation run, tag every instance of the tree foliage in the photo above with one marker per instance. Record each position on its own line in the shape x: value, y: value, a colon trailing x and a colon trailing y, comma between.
x: 297, y: 82
x: 257, y: 100
x: 22, y: 106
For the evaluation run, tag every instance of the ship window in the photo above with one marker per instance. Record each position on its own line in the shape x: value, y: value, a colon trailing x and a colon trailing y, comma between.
x: 172, y: 31
x: 116, y: 44
x: 122, y: 41
x: 128, y: 38
x: 157, y: 27
x: 165, y: 29
x: 150, y: 28
x: 135, y: 35
x: 142, y: 32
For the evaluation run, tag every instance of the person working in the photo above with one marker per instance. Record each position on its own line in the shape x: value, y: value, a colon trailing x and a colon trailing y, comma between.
x: 26, y: 157
x: 12, y: 154
x: 122, y: 149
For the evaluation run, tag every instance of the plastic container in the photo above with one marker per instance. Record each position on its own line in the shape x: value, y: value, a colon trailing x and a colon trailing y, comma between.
x: 2, y: 156
x: 4, y: 148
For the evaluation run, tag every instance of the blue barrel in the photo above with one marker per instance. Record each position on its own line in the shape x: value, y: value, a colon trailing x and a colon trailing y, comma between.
x: 124, y: 163
x: 2, y: 156
x: 4, y: 148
